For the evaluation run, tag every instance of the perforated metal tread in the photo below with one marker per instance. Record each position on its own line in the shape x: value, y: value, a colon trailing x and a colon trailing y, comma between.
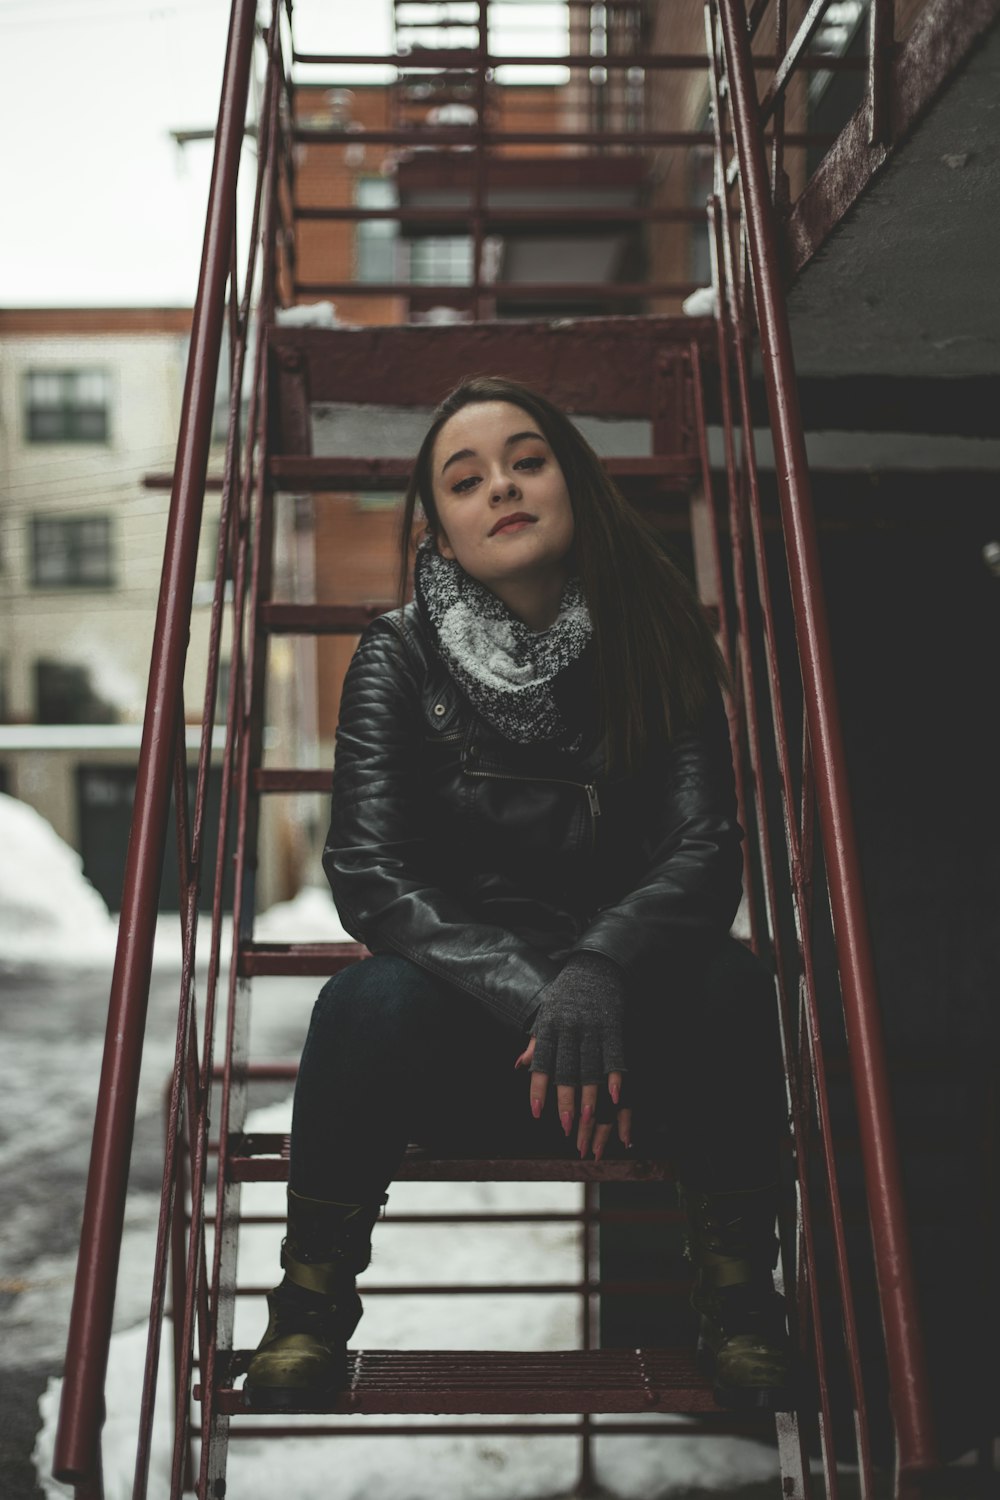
x: 487, y: 1381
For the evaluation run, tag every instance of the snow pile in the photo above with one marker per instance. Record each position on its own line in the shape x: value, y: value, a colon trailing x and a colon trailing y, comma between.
x: 52, y: 917
x: 489, y: 1467
x: 48, y: 912
x: 310, y: 917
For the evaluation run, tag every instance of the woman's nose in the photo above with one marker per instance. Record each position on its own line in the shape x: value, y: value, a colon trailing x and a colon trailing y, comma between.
x: 505, y: 490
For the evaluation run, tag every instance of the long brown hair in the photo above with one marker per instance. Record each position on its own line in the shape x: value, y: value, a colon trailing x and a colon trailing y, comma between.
x: 656, y: 658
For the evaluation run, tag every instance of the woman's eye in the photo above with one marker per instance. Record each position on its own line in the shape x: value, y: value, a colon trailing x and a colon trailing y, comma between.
x: 463, y: 485
x: 535, y: 462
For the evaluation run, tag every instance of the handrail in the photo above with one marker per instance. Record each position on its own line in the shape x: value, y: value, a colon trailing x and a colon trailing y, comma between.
x: 77, y: 1450
x: 916, y: 1450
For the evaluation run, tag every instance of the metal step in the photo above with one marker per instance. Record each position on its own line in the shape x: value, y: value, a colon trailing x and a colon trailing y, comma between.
x: 319, y: 619
x: 507, y: 1289
x: 292, y: 779
x: 573, y: 1381
x: 351, y: 619
x: 263, y: 1157
x: 297, y: 958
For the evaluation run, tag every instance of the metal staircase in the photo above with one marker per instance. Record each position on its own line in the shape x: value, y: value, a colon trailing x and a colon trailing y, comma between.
x: 803, y: 886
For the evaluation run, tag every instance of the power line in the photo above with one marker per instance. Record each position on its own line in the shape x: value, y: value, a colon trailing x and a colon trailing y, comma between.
x: 74, y: 484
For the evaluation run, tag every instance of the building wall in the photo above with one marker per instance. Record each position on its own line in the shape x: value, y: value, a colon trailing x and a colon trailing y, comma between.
x: 327, y: 177
x: 106, y: 628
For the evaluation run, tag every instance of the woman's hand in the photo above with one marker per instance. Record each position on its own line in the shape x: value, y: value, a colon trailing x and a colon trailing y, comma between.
x: 577, y: 1036
x: 566, y: 1095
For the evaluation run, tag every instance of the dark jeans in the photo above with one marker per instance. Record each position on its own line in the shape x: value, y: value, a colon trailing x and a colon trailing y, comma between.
x: 395, y: 1056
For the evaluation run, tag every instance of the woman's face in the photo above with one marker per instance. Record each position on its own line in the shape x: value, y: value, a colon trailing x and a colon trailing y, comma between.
x: 491, y: 462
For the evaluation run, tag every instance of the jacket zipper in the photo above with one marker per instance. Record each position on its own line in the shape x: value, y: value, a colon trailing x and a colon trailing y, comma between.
x: 589, y: 787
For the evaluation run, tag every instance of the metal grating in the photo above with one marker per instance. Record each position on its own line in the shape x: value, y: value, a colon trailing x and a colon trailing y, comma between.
x: 572, y: 1381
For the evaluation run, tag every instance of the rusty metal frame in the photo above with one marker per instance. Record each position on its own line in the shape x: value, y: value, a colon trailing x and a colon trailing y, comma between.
x: 162, y: 764
x: 793, y: 830
x: 902, y: 81
x: 471, y: 58
x: 473, y: 66
x: 747, y: 279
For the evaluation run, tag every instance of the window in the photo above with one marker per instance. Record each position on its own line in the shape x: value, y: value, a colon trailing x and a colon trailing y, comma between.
x: 64, y: 694
x: 67, y: 406
x: 72, y: 552
x: 441, y: 260
x: 376, y: 239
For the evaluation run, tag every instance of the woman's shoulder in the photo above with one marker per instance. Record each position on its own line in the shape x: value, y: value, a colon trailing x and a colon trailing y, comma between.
x: 404, y: 635
x: 396, y: 624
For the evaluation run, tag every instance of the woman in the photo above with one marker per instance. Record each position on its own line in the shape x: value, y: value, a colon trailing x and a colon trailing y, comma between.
x: 534, y: 832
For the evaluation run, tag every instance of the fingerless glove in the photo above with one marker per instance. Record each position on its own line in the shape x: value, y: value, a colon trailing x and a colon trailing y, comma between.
x: 578, y: 1025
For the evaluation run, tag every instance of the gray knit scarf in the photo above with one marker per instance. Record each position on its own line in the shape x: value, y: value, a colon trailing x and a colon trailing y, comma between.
x: 510, y: 673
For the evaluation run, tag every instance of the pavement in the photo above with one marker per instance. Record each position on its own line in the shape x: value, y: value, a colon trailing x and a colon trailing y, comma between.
x: 49, y: 1071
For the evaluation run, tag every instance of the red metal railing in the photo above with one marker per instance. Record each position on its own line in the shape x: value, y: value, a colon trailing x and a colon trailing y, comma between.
x: 162, y: 763
x: 745, y: 256
x: 203, y: 1285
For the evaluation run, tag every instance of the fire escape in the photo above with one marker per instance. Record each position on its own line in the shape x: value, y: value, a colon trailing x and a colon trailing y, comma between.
x: 585, y: 175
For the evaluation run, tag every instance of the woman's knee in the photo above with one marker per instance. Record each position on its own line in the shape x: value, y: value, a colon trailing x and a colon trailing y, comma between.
x: 716, y: 1000
x: 732, y: 987
x: 386, y: 992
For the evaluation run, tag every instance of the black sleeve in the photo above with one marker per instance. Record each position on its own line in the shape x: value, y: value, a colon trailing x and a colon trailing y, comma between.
x: 694, y: 879
x: 378, y: 860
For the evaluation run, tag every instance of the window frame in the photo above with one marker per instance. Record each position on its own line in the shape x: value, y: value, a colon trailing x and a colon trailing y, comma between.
x: 73, y: 414
x: 74, y: 576
x: 382, y: 234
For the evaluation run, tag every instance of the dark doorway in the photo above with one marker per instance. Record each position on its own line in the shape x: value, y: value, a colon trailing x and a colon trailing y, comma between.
x: 105, y: 796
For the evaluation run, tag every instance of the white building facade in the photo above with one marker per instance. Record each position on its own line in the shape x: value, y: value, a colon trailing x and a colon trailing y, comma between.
x: 90, y: 404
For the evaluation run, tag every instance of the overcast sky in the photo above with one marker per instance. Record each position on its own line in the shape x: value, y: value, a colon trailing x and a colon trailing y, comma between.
x: 100, y: 206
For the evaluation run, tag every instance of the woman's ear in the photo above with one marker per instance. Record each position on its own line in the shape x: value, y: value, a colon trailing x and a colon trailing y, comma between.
x: 443, y: 545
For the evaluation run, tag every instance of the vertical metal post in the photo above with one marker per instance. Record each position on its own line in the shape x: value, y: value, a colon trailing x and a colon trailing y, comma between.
x: 479, y: 157
x: 779, y: 177
x: 178, y: 1238
x: 81, y: 1412
x: 881, y: 48
x: 904, y: 1343
x: 585, y: 1479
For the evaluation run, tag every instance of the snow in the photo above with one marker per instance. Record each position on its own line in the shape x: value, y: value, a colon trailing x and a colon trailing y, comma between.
x: 48, y: 912
x: 701, y: 303
x: 310, y: 917
x: 308, y: 315
x: 51, y: 916
x: 494, y: 1467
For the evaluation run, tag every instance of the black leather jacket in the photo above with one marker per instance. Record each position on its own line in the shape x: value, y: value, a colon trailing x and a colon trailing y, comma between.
x: 487, y: 862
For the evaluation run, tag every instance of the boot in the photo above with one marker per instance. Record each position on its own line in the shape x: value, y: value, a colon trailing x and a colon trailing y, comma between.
x: 315, y: 1310
x: 742, y: 1342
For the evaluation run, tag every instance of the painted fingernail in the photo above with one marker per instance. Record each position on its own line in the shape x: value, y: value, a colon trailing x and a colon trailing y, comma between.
x: 536, y: 1108
x: 567, y: 1120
